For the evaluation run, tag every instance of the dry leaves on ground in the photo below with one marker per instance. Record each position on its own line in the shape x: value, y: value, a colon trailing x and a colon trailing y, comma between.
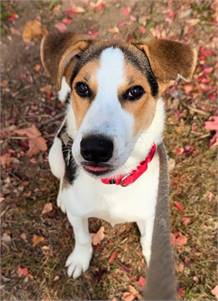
x: 98, y: 236
x: 36, y: 142
x: 33, y: 30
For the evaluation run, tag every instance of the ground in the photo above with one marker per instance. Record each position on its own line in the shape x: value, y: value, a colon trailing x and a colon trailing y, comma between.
x: 36, y: 236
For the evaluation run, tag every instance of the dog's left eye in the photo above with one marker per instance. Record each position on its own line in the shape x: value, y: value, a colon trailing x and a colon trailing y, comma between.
x: 134, y: 93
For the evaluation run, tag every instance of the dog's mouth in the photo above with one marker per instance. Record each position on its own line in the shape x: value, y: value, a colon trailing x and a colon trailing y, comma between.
x: 97, y: 169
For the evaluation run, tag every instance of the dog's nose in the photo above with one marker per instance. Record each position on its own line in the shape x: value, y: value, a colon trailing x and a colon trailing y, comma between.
x: 96, y: 148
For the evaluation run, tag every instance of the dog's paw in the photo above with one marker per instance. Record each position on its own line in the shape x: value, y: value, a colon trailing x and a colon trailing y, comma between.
x: 78, y: 260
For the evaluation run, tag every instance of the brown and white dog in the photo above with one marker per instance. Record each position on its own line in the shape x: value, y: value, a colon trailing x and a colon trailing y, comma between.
x: 113, y: 126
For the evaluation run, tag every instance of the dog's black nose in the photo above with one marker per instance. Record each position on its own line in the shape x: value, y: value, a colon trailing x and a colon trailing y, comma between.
x: 96, y: 148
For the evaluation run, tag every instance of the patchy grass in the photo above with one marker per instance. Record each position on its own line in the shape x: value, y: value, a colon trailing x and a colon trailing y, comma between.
x: 27, y: 184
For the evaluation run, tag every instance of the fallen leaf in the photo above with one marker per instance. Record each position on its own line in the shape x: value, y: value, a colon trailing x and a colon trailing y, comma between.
x: 179, y: 206
x: 36, y: 142
x: 125, y: 11
x: 61, y: 27
x: 5, y: 160
x: 33, y: 30
x: 142, y: 281
x: 212, y: 125
x: 48, y: 207
x: 214, y: 291
x: 114, y: 29
x: 178, y: 239
x: 181, y: 292
x: 112, y: 257
x: 22, y: 272
x: 47, y: 90
x: 131, y: 294
x: 171, y: 164
x: 6, y: 238
x: 186, y: 220
x: 180, y: 267
x: 98, y: 236
x: 99, y: 5
x: 36, y: 239
x: 23, y: 236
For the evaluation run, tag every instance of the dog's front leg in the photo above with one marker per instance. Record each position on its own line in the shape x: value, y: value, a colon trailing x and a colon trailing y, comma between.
x: 146, y: 231
x: 78, y: 260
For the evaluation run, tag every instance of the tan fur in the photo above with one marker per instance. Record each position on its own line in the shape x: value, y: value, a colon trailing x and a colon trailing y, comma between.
x: 144, y: 108
x: 87, y: 74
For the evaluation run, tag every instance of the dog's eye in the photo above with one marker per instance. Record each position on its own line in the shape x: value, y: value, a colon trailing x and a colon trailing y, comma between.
x: 134, y: 93
x: 82, y: 89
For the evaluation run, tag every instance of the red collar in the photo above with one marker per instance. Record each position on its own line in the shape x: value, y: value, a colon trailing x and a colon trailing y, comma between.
x: 125, y: 180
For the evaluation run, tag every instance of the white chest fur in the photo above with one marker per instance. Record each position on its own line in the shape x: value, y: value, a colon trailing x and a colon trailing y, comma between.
x: 88, y: 197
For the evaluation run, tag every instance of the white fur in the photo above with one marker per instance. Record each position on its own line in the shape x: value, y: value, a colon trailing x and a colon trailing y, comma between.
x: 88, y: 196
x: 65, y: 89
x: 56, y: 159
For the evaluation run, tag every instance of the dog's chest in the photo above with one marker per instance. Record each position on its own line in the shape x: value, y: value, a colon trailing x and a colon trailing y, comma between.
x: 115, y: 204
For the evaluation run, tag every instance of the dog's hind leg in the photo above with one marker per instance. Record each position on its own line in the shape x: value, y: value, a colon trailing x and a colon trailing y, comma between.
x: 146, y: 231
x: 78, y: 260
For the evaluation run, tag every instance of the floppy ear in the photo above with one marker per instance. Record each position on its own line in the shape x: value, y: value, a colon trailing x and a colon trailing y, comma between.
x: 169, y: 59
x: 59, y: 50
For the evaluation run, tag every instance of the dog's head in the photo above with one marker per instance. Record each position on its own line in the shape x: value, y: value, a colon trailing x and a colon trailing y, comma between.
x: 114, y: 87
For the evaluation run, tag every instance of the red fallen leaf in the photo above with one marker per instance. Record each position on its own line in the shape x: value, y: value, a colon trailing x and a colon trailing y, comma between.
x: 22, y: 272
x: 12, y: 17
x: 98, y: 236
x: 142, y: 29
x: 208, y: 70
x: 125, y: 11
x: 61, y: 27
x: 181, y: 292
x: 142, y: 281
x: 178, y: 239
x: 67, y: 21
x: 5, y: 160
x: 212, y: 96
x: 36, y: 142
x: 179, y: 150
x: 98, y: 6
x: 188, y: 88
x: 212, y: 125
x: 179, y: 206
x: 186, y: 220
x: 112, y: 257
x: 93, y: 34
x: 214, y: 291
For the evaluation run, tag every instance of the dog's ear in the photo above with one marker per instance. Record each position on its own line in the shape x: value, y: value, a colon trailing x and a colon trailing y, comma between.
x: 59, y: 50
x: 169, y: 59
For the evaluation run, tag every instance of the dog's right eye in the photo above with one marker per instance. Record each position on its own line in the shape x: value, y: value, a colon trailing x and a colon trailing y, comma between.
x: 83, y: 90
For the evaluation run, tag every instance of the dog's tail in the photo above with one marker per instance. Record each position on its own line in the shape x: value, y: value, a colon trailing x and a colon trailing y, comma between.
x: 161, y: 283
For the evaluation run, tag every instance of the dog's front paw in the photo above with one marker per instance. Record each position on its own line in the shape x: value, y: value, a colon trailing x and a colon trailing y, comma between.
x: 78, y: 260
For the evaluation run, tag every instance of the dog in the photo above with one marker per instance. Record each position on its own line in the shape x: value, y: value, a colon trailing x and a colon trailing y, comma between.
x: 106, y: 152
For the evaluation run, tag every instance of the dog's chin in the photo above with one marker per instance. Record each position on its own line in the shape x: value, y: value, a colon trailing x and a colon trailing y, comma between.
x: 97, y: 170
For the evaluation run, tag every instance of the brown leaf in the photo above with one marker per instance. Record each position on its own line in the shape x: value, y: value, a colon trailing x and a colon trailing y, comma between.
x: 5, y: 160
x: 131, y: 294
x: 214, y: 291
x: 33, y: 30
x: 98, y: 236
x: 36, y: 239
x: 36, y: 142
x: 112, y: 257
x: 142, y: 281
x: 48, y: 207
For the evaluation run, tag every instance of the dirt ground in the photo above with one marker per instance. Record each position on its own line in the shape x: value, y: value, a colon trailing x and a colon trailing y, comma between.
x: 35, y: 241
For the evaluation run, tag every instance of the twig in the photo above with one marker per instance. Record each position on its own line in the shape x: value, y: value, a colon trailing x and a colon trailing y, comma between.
x: 52, y: 120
